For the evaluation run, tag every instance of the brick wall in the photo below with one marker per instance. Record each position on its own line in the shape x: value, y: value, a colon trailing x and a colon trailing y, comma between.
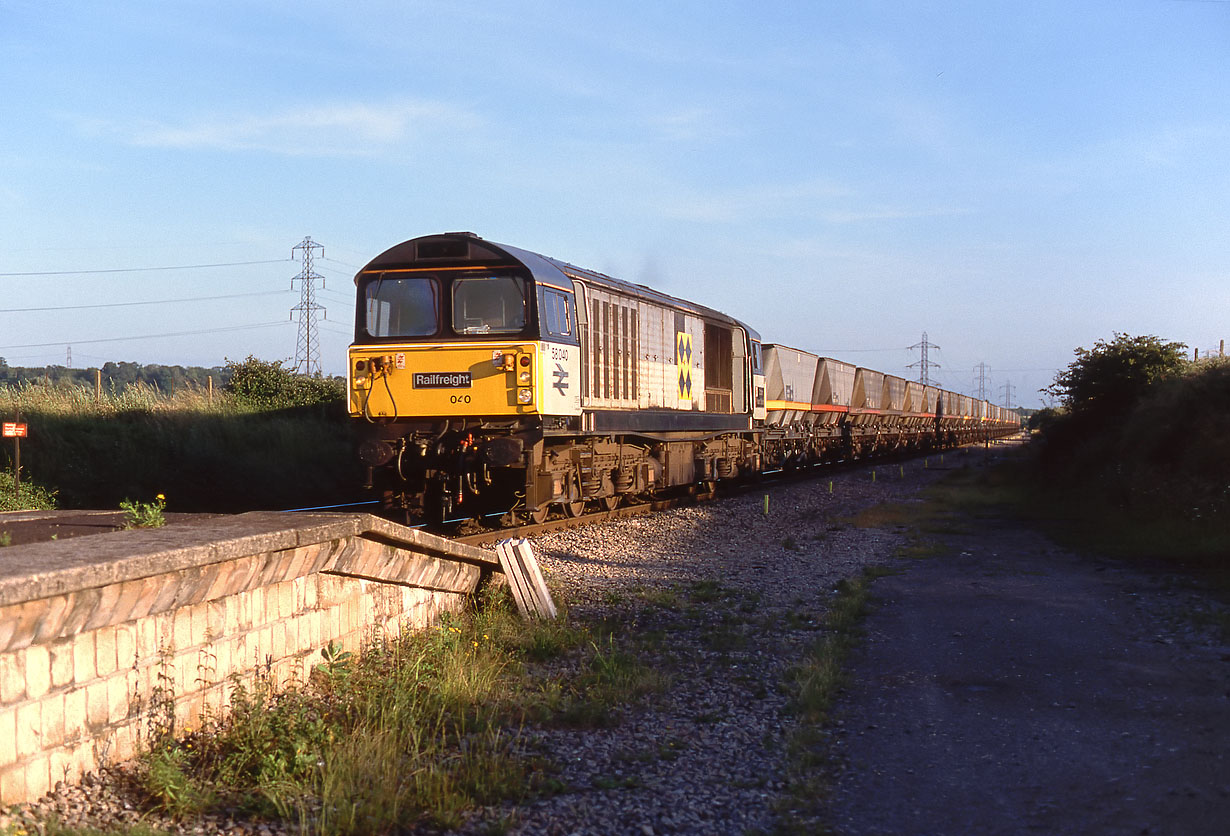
x: 93, y: 629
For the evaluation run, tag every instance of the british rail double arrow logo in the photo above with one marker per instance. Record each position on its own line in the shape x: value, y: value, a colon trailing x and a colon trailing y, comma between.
x: 683, y: 359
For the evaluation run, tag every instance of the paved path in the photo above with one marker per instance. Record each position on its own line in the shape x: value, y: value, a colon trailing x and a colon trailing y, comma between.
x: 1011, y: 687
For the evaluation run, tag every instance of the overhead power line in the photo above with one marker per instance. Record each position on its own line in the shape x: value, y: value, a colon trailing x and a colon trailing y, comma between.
x: 149, y: 336
x: 836, y: 352
x: 142, y: 269
x: 146, y: 302
x: 343, y: 263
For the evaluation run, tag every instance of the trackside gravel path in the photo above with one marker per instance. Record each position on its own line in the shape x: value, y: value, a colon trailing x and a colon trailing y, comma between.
x: 1012, y: 687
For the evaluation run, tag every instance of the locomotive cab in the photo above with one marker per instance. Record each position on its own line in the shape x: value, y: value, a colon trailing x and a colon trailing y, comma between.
x: 459, y: 352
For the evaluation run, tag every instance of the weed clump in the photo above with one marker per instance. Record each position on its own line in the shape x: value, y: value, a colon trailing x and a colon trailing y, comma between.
x: 426, y: 711
x: 144, y: 514
x: 33, y: 496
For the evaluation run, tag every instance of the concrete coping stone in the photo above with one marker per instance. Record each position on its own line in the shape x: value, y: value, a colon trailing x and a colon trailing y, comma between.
x: 42, y: 570
x: 24, y: 516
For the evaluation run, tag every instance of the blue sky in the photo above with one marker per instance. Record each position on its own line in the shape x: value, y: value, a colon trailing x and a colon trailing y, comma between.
x: 1015, y: 179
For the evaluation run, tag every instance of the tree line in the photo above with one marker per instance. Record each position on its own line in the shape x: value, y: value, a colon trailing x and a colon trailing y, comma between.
x: 118, y: 376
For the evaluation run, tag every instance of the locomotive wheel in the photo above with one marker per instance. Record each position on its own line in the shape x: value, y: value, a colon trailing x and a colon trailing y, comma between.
x: 539, y: 515
x: 574, y: 509
x: 610, y: 503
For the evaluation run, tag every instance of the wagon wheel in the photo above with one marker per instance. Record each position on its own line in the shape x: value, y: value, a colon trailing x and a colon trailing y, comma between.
x: 538, y: 516
x: 610, y: 503
x: 575, y: 508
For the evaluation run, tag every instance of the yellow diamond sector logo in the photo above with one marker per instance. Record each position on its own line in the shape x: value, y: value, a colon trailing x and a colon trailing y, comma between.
x: 683, y: 359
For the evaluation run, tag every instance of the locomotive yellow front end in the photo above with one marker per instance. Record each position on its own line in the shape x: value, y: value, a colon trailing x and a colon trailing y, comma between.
x: 446, y: 373
x: 443, y: 381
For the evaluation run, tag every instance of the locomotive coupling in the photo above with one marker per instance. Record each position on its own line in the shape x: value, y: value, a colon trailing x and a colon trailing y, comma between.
x: 375, y: 452
x: 501, y: 451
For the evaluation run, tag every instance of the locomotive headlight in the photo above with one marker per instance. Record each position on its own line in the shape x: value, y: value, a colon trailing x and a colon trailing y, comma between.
x: 526, y: 376
x: 525, y: 396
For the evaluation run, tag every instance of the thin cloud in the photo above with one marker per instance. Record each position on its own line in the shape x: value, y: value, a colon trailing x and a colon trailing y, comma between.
x: 823, y: 201
x: 1169, y: 146
x: 689, y: 124
x: 769, y: 200
x: 331, y: 130
x: 889, y: 213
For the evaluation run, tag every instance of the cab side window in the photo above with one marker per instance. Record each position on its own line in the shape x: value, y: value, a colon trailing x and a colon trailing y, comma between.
x: 557, y: 313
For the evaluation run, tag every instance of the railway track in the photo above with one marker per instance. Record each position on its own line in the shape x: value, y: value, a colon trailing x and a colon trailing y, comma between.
x: 694, y: 495
x: 530, y: 529
x: 473, y: 532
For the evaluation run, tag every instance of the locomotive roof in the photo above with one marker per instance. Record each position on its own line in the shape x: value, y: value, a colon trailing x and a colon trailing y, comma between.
x: 457, y: 249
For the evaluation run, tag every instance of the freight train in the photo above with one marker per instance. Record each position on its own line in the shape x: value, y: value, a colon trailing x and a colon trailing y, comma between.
x: 487, y: 380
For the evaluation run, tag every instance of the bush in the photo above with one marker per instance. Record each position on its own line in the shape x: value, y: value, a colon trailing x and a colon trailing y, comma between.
x: 1174, y: 450
x: 1143, y: 447
x: 263, y: 384
x: 1108, y: 378
x: 1044, y: 419
x: 1098, y: 391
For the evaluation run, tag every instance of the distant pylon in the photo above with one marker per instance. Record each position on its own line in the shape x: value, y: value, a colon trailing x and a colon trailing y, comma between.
x: 982, y: 369
x: 1007, y: 390
x: 923, y: 363
x: 307, y: 348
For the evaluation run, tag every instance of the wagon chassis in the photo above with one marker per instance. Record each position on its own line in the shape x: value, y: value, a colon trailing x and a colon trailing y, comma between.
x: 469, y: 472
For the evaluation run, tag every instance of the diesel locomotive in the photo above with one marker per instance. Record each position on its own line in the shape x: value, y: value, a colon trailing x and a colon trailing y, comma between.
x: 487, y: 380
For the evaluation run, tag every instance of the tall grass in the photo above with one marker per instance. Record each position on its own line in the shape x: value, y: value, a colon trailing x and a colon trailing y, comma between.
x: 813, y: 685
x: 820, y: 673
x: 203, y: 452
x: 76, y: 399
x: 410, y: 731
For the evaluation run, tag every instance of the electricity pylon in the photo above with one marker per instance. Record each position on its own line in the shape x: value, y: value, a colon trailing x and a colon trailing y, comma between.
x: 982, y: 369
x: 307, y: 347
x: 923, y: 363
